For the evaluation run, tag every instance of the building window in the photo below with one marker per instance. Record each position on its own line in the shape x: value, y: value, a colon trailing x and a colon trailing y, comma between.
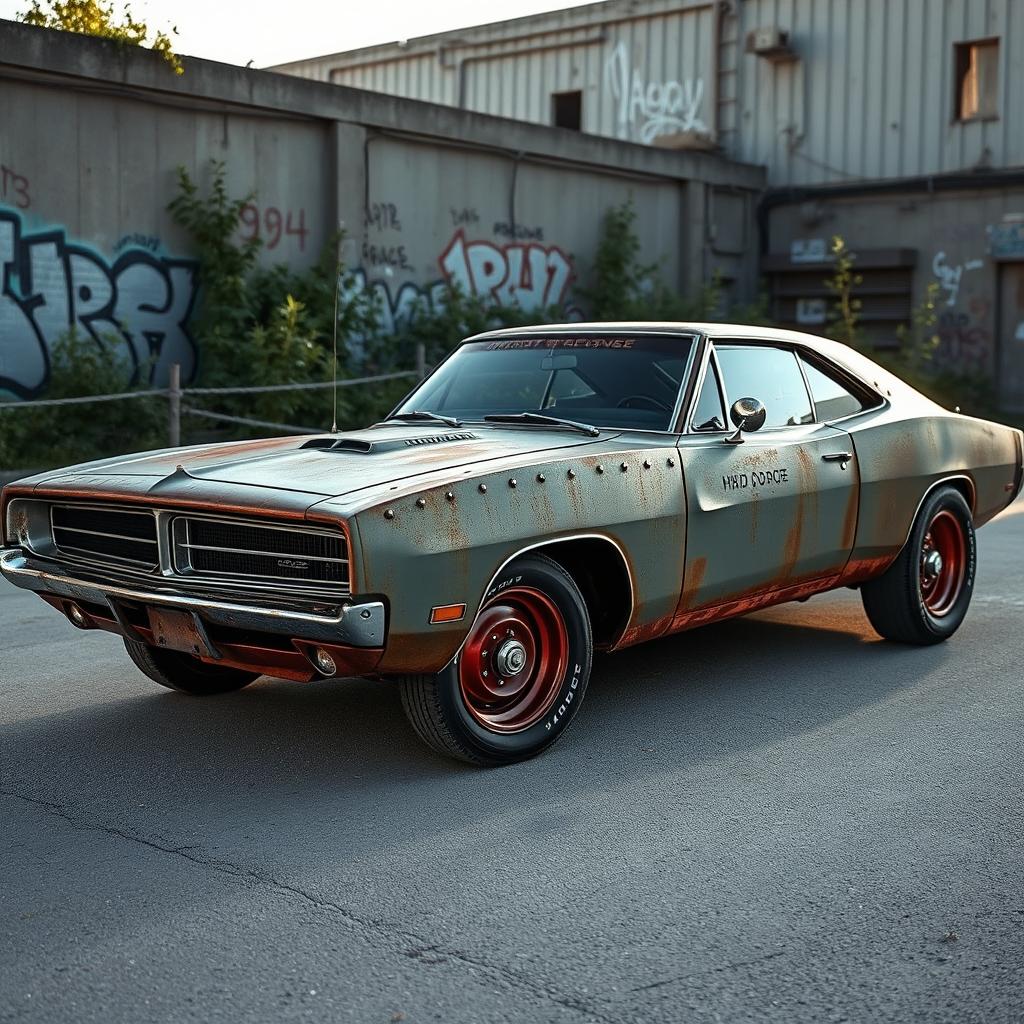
x: 567, y: 110
x: 977, y: 80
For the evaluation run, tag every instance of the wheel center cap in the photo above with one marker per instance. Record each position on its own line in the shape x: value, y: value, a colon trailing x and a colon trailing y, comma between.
x: 931, y: 566
x: 511, y: 658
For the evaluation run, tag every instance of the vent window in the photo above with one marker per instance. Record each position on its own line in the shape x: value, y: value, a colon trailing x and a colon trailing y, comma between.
x: 977, y: 80
x: 567, y: 110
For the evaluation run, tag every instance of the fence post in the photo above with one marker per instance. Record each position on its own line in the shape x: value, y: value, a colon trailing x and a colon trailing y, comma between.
x: 174, y: 406
x: 421, y: 360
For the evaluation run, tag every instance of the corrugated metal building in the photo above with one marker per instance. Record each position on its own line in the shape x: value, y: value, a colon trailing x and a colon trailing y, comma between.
x: 896, y: 123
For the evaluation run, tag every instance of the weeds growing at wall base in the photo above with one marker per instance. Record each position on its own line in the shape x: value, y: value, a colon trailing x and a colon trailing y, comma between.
x: 255, y: 326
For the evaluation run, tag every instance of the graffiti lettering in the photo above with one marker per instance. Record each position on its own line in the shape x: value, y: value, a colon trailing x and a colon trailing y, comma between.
x: 392, y: 256
x: 466, y: 215
x: 275, y: 227
x: 49, y: 286
x: 518, y: 231
x: 150, y: 242
x: 660, y: 107
x: 963, y: 345
x: 949, y: 276
x: 14, y: 188
x: 529, y: 276
x: 383, y: 217
x: 396, y: 312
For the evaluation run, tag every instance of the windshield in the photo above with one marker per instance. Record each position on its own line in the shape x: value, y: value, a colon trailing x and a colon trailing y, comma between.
x: 626, y: 382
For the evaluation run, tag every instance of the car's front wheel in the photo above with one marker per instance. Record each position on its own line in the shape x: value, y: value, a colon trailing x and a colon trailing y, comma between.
x: 179, y: 671
x: 518, y: 681
x: 923, y: 596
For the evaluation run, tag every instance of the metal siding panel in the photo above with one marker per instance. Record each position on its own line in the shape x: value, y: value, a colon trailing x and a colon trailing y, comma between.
x: 865, y: 65
x: 871, y: 105
x: 815, y: 85
x: 1011, y: 113
x: 892, y: 128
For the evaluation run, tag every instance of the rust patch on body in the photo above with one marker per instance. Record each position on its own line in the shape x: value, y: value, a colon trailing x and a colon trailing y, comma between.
x: 860, y: 569
x: 421, y: 652
x: 850, y: 519
x: 692, y: 582
x: 642, y: 633
x: 741, y: 605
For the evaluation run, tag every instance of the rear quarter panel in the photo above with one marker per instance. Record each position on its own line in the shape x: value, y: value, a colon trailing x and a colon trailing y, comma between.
x: 901, y: 457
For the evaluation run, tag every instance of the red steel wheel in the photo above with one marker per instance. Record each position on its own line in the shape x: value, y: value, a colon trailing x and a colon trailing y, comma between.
x: 517, y: 682
x: 514, y: 661
x: 943, y: 563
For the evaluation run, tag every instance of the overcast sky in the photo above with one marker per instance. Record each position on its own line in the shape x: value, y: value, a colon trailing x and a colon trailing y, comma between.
x: 236, y: 31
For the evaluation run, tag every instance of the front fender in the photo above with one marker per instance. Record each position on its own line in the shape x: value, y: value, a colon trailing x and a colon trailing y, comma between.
x: 444, y: 545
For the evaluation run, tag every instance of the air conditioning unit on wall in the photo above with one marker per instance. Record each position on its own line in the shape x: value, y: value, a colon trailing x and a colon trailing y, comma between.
x: 772, y: 43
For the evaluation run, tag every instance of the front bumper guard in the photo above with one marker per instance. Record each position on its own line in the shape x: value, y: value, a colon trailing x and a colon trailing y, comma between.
x: 357, y: 623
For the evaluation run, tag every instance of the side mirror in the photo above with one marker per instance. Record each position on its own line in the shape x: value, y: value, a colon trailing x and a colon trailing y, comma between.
x: 746, y: 414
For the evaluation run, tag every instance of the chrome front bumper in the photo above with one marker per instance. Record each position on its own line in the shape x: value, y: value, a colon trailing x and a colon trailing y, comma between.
x: 351, y: 623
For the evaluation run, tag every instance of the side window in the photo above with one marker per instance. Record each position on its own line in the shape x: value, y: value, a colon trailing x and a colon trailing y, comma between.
x: 832, y: 401
x: 709, y: 413
x: 771, y: 375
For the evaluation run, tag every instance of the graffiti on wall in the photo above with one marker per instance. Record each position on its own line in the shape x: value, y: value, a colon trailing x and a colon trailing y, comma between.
x: 395, y: 309
x: 14, y: 188
x: 528, y: 275
x: 965, y: 337
x: 950, y: 275
x: 651, y: 108
x: 50, y: 285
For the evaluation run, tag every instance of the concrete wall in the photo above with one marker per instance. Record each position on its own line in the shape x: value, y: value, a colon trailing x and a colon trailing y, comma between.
x: 91, y: 136
x: 868, y: 95
x: 967, y: 241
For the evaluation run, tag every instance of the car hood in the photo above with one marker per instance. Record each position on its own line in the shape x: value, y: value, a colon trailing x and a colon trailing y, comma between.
x: 326, y: 466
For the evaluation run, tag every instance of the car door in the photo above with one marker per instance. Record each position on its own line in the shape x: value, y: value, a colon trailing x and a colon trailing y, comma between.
x: 778, y: 509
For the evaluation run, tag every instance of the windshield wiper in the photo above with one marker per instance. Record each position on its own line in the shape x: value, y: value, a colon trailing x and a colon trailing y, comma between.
x: 541, y: 420
x: 422, y: 414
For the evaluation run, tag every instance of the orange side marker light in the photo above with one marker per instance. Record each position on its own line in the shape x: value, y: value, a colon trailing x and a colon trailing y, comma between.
x: 447, y: 613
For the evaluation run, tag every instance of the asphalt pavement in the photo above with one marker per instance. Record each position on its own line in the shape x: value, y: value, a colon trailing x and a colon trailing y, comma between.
x: 779, y: 818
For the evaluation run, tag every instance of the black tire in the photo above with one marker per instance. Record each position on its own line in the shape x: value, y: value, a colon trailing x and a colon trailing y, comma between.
x: 450, y: 719
x: 179, y: 671
x: 906, y: 603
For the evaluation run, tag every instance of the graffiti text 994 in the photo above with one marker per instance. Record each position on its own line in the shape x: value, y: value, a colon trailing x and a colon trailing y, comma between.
x: 272, y: 225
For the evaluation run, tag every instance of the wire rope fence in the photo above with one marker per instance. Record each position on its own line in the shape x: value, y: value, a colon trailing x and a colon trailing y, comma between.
x: 181, y: 401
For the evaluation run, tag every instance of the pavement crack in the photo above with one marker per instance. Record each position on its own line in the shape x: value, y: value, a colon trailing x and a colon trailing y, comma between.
x: 416, y: 948
x: 711, y: 970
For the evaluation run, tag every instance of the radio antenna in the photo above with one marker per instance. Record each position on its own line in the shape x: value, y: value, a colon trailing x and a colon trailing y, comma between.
x: 337, y: 292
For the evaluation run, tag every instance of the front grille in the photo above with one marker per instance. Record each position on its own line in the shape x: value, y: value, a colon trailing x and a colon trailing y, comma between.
x: 233, y: 550
x: 105, y: 535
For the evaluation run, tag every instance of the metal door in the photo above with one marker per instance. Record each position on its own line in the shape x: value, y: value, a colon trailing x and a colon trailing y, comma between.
x: 778, y: 510
x: 1011, y: 337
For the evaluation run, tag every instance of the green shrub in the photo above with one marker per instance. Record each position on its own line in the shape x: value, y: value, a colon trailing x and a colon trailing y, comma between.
x: 44, y: 437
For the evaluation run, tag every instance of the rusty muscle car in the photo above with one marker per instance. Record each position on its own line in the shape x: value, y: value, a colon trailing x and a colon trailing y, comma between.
x: 543, y: 493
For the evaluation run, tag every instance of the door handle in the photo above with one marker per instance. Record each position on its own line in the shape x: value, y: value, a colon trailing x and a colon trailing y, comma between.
x: 841, y: 457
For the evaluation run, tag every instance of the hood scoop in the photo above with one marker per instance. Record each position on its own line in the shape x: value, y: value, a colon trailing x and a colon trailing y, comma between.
x: 359, y: 446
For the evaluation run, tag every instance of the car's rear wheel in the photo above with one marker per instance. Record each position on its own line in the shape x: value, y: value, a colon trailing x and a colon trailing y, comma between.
x: 923, y: 596
x: 179, y: 671
x: 518, y: 681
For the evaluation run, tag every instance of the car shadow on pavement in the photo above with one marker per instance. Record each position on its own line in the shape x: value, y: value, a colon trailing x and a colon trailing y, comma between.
x: 706, y: 694
x: 323, y: 788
